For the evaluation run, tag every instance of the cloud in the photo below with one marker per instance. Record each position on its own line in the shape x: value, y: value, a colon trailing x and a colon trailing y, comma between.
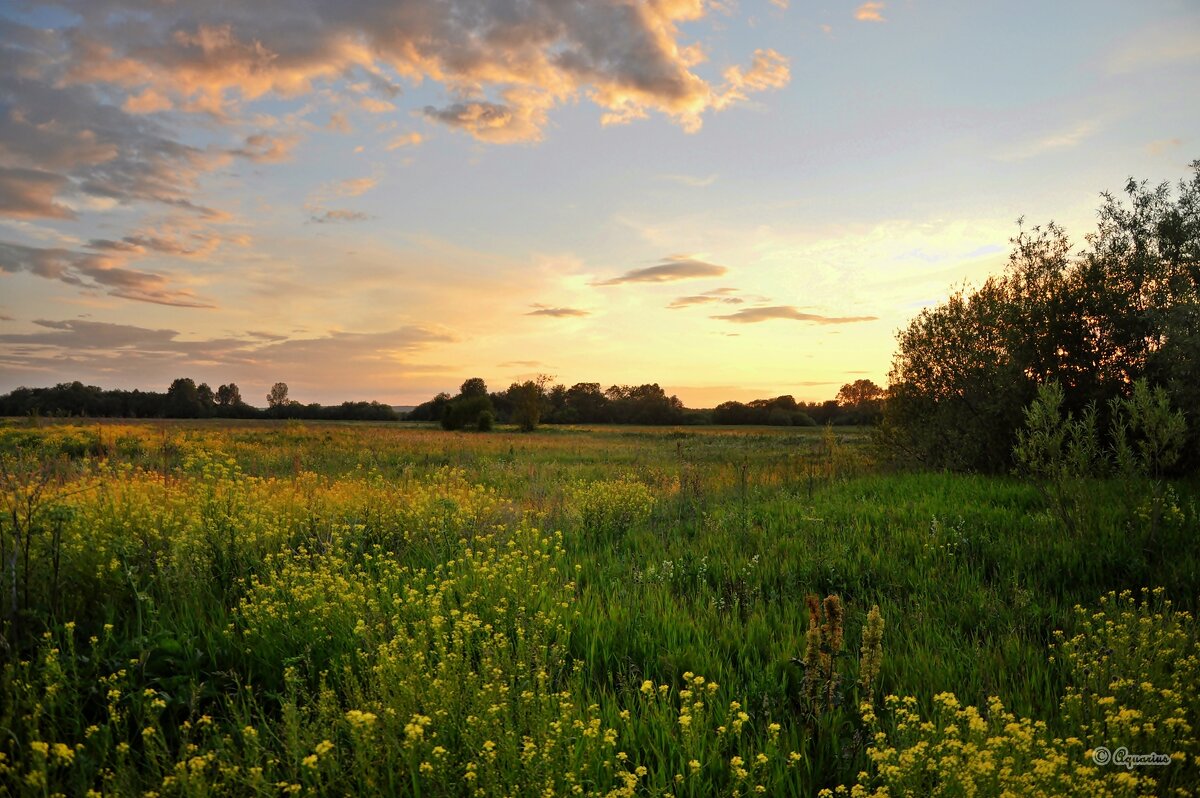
x: 355, y: 187
x: 104, y: 271
x: 1058, y: 140
x: 339, y: 123
x: 262, y: 148
x: 405, y: 140
x: 29, y: 194
x: 558, y: 313
x: 675, y: 267
x: 756, y: 315
x: 505, y: 65
x: 870, y: 12
x: 492, y: 121
x: 1157, y: 47
x: 1163, y: 145
x: 768, y: 70
x: 373, y: 105
x: 126, y: 352
x: 715, y: 296
x: 691, y: 181
x: 335, y: 216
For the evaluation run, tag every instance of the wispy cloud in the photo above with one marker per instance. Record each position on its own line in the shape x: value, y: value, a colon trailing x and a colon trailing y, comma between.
x: 691, y: 181
x: 405, y: 140
x: 692, y: 301
x: 756, y: 315
x: 674, y: 267
x: 355, y: 187
x: 125, y: 352
x: 336, y: 216
x: 558, y: 313
x: 1163, y: 146
x: 1063, y: 139
x: 870, y: 12
x: 338, y: 122
x: 723, y: 296
x: 1157, y: 46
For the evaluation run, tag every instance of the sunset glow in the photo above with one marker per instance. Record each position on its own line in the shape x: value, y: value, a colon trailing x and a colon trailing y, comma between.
x: 378, y: 200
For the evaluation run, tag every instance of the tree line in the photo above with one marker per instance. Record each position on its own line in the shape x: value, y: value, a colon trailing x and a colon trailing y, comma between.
x: 533, y: 402
x: 526, y: 404
x: 182, y: 399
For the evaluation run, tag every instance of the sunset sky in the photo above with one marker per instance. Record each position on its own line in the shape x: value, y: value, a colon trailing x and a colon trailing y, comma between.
x: 376, y: 200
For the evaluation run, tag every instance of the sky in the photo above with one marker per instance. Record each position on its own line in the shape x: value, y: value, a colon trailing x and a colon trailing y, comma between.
x: 376, y: 200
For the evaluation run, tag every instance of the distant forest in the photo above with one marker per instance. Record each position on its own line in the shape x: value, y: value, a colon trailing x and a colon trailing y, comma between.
x: 526, y: 404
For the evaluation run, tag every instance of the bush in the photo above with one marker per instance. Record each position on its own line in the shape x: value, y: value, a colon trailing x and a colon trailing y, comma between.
x: 465, y: 411
x: 485, y: 422
x: 1059, y: 453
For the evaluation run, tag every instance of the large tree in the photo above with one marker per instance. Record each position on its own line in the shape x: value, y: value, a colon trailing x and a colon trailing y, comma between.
x: 183, y: 399
x: 1126, y: 306
x: 229, y: 395
x: 278, y: 397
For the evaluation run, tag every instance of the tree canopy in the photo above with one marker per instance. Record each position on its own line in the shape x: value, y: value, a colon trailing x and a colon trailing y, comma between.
x: 1124, y: 306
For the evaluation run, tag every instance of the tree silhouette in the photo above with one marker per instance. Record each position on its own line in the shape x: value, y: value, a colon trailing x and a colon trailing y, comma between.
x: 278, y: 397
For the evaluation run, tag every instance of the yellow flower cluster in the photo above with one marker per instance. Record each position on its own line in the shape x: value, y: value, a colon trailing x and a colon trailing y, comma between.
x: 608, y: 508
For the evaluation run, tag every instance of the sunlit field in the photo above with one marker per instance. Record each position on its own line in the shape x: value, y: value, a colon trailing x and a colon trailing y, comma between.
x: 270, y: 608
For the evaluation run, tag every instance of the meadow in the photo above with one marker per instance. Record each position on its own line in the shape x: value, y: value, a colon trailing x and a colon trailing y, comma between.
x: 271, y: 608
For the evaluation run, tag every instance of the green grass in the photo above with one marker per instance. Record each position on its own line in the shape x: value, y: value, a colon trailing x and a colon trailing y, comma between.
x: 255, y: 574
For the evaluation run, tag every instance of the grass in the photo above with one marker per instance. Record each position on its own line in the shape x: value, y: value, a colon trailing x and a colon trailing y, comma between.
x: 263, y: 608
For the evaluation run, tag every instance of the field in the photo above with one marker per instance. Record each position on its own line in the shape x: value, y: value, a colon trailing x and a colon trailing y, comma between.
x: 281, y: 608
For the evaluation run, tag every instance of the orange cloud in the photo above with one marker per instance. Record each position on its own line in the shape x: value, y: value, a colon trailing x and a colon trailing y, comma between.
x: 870, y: 12
x: 355, y: 187
x: 29, y: 194
x: 262, y: 148
x: 405, y: 140
x: 507, y: 69
x: 97, y: 271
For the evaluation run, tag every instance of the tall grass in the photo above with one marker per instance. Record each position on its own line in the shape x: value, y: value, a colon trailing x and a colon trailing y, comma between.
x: 266, y: 609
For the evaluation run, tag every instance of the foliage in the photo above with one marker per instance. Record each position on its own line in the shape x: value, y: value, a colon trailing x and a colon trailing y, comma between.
x: 474, y: 387
x: 1123, y: 309
x: 278, y: 395
x: 528, y: 401
x: 1061, y: 454
x: 183, y: 399
x: 465, y: 411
